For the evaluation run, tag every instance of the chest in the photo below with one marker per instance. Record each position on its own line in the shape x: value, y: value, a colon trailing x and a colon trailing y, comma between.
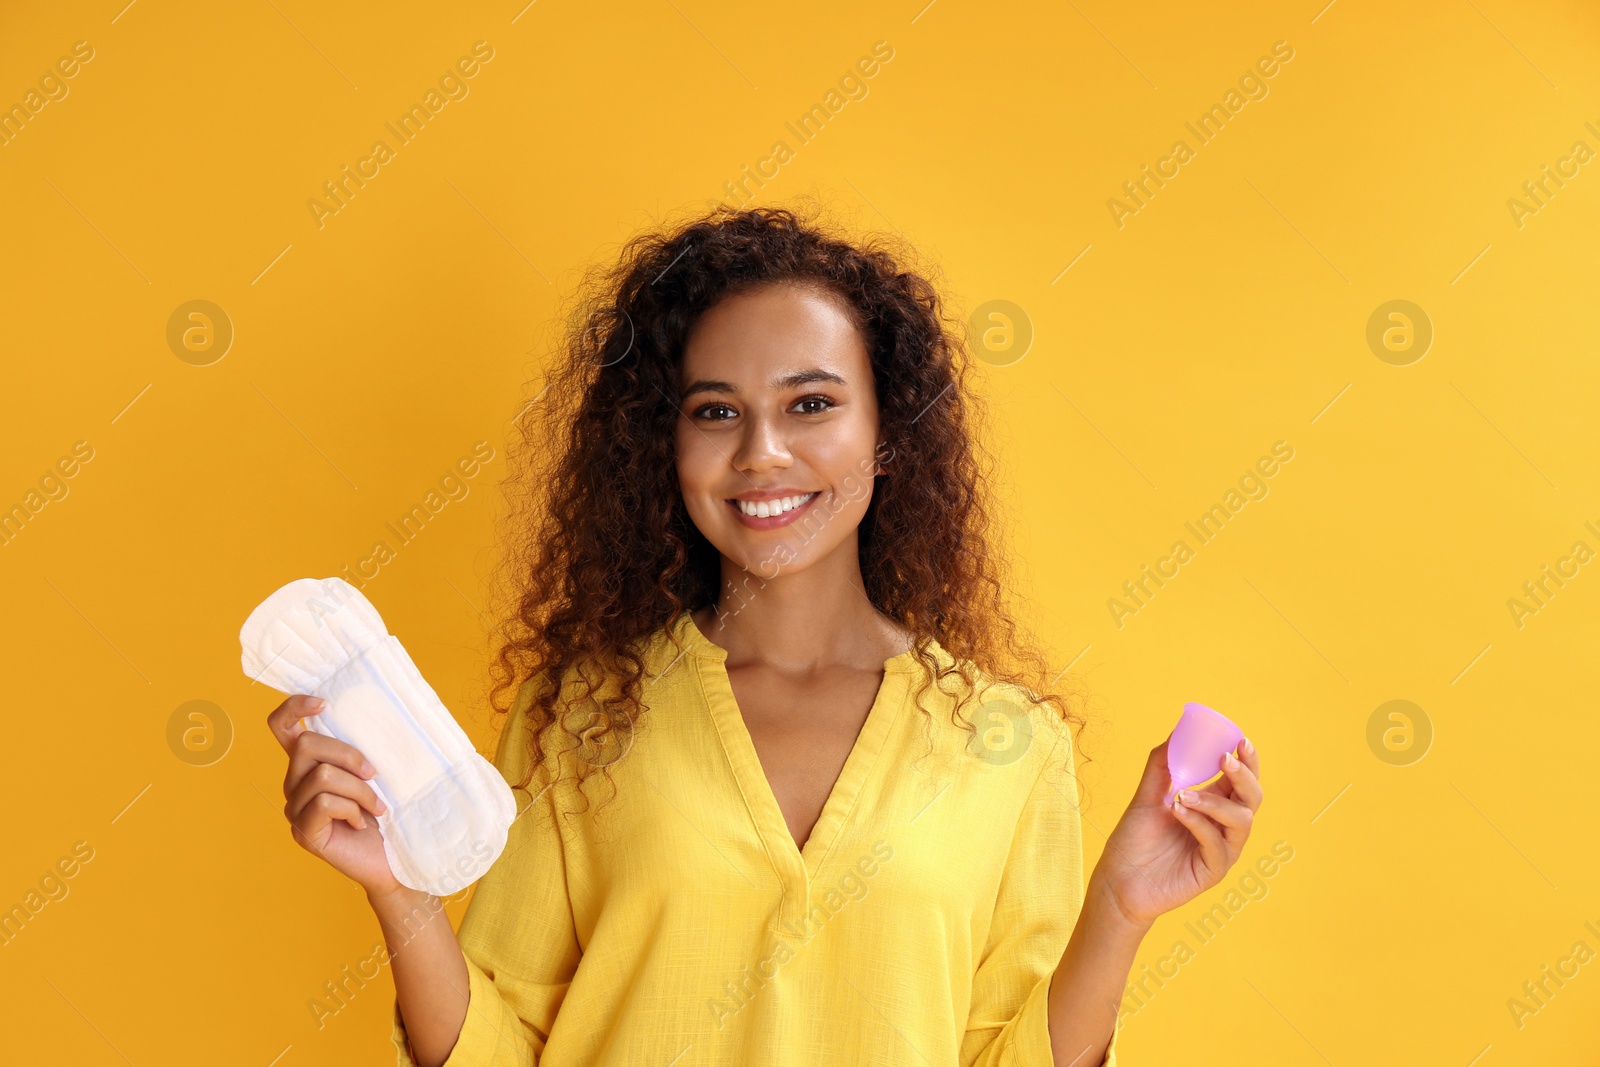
x: 803, y: 731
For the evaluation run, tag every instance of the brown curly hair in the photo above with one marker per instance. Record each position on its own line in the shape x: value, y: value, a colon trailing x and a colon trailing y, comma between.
x: 601, y: 552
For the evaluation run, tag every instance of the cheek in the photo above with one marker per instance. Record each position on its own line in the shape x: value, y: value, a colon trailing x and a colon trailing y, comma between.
x: 843, y: 453
x: 852, y: 496
x: 697, y: 469
x: 688, y: 456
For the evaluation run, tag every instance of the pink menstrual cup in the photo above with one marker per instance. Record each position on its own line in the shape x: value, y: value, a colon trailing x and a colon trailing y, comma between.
x: 1196, y: 747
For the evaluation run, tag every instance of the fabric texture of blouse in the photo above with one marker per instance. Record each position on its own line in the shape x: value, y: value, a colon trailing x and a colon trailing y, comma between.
x: 675, y: 922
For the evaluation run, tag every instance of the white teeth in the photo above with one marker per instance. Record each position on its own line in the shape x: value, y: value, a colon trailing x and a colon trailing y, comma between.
x: 765, y: 509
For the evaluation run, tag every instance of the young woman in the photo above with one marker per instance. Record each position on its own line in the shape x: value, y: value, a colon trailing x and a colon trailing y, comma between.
x: 841, y: 822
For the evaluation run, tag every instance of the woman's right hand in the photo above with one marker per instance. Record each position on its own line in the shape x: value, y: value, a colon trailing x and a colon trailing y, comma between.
x: 330, y: 807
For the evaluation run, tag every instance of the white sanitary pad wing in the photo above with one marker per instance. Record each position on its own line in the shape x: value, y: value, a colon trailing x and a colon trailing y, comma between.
x: 448, y: 808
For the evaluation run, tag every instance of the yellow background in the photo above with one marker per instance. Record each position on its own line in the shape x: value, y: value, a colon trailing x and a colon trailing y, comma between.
x: 1228, y: 314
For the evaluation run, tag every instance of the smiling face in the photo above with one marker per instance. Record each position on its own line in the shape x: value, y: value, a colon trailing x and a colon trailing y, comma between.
x: 777, y: 429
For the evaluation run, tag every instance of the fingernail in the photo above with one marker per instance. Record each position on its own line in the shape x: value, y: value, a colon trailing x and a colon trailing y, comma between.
x: 362, y: 819
x: 382, y: 807
x: 1230, y: 760
x: 319, y: 703
x: 1248, y: 747
x: 1189, y: 795
x: 367, y: 769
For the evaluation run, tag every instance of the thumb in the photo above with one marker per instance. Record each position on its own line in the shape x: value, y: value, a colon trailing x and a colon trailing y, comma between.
x: 1157, y: 778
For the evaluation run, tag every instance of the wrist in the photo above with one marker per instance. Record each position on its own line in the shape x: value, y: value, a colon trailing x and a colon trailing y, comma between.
x: 1109, y: 914
x: 397, y: 899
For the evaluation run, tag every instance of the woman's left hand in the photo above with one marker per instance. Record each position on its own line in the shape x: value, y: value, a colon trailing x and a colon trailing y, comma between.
x: 1161, y: 856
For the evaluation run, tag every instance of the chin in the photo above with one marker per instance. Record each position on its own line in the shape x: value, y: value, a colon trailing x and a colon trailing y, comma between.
x: 764, y: 563
x: 767, y: 561
x: 773, y: 566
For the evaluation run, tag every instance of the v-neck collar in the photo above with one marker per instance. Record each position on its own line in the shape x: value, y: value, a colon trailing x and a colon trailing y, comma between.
x: 710, y: 661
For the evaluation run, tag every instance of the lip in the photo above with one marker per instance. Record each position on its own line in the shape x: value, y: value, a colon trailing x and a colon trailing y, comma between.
x: 753, y: 495
x: 772, y: 522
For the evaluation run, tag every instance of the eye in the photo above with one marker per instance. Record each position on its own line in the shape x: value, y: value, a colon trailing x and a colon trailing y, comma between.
x: 818, y: 399
x: 705, y: 412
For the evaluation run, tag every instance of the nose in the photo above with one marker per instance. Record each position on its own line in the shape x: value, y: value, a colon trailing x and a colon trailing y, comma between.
x: 762, y: 446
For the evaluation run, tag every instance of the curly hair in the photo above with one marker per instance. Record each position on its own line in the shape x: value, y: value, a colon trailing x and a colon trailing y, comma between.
x: 601, y: 552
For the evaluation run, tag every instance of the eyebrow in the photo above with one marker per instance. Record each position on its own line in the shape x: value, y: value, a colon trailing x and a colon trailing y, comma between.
x: 786, y: 381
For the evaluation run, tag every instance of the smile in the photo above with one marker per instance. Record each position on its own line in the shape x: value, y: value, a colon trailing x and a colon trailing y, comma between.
x: 761, y: 509
x: 769, y: 514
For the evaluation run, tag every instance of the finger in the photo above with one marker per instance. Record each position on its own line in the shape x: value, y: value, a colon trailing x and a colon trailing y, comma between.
x: 1234, y: 818
x: 284, y: 720
x: 311, y: 748
x: 323, y: 809
x: 1213, y: 849
x: 1218, y: 787
x: 1246, y: 786
x: 327, y: 778
x: 1227, y: 785
x: 1157, y: 779
x: 307, y: 838
x: 1250, y: 757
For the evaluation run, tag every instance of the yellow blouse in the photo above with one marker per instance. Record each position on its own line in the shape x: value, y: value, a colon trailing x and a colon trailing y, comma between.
x: 919, y: 925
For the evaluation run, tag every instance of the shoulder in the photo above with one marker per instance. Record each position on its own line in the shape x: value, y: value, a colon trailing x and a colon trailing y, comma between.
x: 589, y: 693
x: 602, y: 679
x: 1049, y: 733
x: 1011, y: 722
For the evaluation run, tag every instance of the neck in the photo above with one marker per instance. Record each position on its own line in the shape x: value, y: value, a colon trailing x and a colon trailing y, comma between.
x: 817, y: 617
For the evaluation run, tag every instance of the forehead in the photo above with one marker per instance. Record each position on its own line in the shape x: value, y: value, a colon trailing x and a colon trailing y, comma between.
x: 752, y: 334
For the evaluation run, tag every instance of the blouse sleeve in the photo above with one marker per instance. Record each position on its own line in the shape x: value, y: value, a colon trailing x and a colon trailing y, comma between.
x: 1040, y: 898
x: 517, y: 935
